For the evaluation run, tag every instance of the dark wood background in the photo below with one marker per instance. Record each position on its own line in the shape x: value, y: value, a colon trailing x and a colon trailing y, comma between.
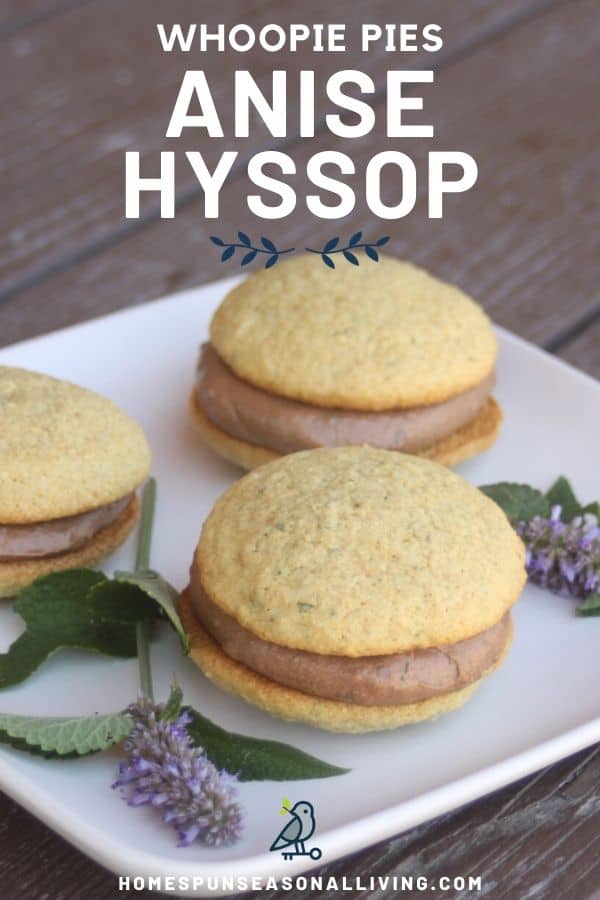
x: 516, y: 85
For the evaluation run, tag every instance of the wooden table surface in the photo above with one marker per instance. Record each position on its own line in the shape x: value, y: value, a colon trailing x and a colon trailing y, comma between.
x: 516, y: 85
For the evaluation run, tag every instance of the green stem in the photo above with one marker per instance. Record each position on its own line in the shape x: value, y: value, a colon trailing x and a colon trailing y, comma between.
x: 143, y: 651
x: 142, y: 561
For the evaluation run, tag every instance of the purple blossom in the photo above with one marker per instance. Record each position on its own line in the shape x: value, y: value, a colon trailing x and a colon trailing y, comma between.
x: 165, y: 770
x: 564, y: 557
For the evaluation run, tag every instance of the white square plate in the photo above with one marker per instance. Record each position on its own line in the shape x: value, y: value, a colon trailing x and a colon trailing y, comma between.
x: 537, y: 708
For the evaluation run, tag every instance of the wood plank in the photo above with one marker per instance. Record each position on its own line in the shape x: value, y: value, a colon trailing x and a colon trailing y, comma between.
x: 523, y: 240
x: 16, y: 15
x: 583, y: 351
x: 13, y: 11
x: 71, y: 115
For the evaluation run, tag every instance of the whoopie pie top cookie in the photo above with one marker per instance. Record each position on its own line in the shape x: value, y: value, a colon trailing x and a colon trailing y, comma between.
x: 374, y: 337
x: 64, y: 450
x: 356, y: 551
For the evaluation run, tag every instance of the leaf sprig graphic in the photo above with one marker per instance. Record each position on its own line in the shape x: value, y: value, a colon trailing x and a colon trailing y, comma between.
x: 355, y: 243
x: 251, y: 251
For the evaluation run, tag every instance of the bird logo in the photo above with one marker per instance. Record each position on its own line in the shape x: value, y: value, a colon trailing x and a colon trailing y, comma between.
x: 292, y: 838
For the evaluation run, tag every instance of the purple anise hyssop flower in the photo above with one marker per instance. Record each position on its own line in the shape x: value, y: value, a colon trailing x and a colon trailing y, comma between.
x: 564, y: 557
x: 164, y: 769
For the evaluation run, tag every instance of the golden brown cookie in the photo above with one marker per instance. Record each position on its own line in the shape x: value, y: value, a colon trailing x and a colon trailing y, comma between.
x: 355, y: 551
x: 373, y: 337
x: 63, y: 449
x: 352, y: 588
x: 70, y: 463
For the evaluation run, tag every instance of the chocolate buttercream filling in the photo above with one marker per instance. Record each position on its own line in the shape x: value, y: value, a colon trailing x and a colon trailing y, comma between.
x: 253, y: 415
x: 41, y: 539
x: 392, y: 679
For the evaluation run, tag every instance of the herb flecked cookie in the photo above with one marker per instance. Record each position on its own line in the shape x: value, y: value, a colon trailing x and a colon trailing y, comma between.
x: 354, y: 589
x: 303, y: 356
x: 70, y: 463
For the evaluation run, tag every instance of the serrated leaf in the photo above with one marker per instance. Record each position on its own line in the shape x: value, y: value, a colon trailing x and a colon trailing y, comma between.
x: 372, y: 253
x: 244, y: 239
x: 249, y: 257
x: 48, y: 595
x: 271, y: 261
x: 561, y: 494
x: 351, y: 258
x: 163, y: 593
x: 70, y: 609
x: 328, y: 261
x: 331, y: 244
x: 23, y: 746
x: 217, y: 240
x: 269, y: 245
x: 593, y: 508
x: 65, y: 736
x: 520, y: 502
x: 228, y: 253
x: 382, y: 240
x: 590, y: 606
x: 254, y: 759
x: 173, y: 704
x: 115, y: 603
x: 355, y: 238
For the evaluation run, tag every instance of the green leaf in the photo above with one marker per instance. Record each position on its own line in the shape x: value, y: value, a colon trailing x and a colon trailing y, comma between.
x: 561, y: 493
x: 55, y: 592
x: 18, y: 744
x: 593, y: 508
x: 163, y: 593
x: 520, y: 502
x: 66, y: 736
x: 79, y: 608
x: 590, y: 606
x: 253, y: 759
x: 173, y: 704
x: 114, y: 603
